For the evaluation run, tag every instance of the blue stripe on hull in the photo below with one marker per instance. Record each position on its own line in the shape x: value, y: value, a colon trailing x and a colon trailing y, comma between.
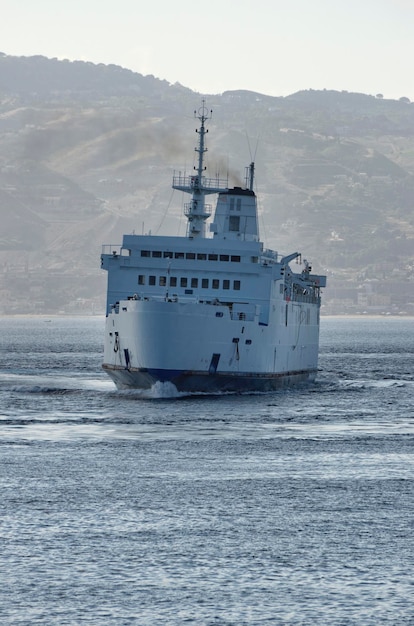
x: 206, y: 383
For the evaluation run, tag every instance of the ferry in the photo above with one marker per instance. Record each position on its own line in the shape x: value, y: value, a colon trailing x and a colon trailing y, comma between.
x: 214, y: 310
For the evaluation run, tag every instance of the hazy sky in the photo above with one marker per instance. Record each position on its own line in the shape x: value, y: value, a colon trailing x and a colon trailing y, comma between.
x: 275, y: 47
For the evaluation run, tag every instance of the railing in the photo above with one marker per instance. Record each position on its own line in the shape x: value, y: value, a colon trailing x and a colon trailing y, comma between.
x: 269, y: 255
x: 189, y: 209
x: 111, y: 248
x: 193, y: 182
x: 307, y: 299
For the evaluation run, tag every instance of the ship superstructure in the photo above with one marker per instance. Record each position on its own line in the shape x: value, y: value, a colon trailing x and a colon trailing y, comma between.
x: 210, y: 311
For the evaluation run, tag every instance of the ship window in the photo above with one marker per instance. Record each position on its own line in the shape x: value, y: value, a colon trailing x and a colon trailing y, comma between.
x: 224, y: 257
x: 255, y: 259
x: 168, y: 255
x: 204, y: 283
x: 235, y: 258
x: 151, y: 280
x: 231, y: 204
x: 226, y: 284
x: 248, y: 342
x: 141, y: 279
x: 236, y: 285
x: 215, y: 283
x: 234, y: 223
x: 179, y: 255
x: 145, y: 253
x: 183, y: 282
x: 173, y: 281
x: 238, y: 207
x: 189, y: 255
x: 213, y: 257
x: 194, y: 282
x: 162, y: 281
x: 156, y: 254
x: 201, y: 257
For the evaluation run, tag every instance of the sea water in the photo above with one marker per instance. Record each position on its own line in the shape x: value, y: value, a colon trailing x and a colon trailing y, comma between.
x: 295, y: 507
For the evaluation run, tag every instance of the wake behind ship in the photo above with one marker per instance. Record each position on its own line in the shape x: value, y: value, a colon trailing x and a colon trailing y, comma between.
x: 210, y: 313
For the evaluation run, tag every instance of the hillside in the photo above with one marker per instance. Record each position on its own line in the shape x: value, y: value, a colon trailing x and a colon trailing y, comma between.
x: 87, y: 152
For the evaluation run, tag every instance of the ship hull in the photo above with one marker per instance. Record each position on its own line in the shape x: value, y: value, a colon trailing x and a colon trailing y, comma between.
x: 202, y: 382
x: 203, y: 348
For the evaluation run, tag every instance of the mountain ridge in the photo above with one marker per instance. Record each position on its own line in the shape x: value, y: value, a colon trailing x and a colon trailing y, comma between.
x: 87, y: 152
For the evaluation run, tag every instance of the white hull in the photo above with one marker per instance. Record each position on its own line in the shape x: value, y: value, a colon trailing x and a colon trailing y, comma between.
x: 203, y: 348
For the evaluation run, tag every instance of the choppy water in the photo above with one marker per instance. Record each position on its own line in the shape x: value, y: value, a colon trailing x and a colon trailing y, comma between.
x: 295, y: 507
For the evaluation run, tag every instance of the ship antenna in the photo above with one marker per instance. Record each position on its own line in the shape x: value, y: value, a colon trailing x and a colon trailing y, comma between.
x: 251, y: 177
x: 203, y: 115
x: 250, y: 169
x: 197, y: 211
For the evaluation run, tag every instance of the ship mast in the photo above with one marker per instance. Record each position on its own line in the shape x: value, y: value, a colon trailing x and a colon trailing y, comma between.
x: 197, y: 211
